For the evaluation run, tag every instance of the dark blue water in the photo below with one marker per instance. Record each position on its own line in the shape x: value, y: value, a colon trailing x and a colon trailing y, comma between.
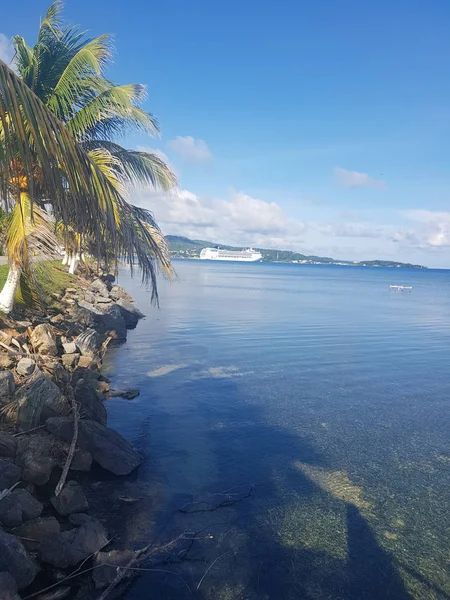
x: 329, y: 394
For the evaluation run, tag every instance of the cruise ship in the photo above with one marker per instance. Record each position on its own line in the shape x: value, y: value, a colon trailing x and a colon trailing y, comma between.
x: 248, y: 255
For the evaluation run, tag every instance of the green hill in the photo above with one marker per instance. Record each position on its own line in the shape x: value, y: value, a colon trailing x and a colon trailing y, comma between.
x: 183, y: 247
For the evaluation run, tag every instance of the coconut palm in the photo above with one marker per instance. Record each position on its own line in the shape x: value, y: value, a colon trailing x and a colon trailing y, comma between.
x: 85, y: 182
x: 66, y: 70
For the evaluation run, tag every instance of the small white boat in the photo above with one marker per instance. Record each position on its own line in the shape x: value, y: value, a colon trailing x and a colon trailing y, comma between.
x: 400, y: 288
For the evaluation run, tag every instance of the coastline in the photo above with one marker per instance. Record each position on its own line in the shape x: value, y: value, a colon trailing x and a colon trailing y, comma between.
x: 64, y: 474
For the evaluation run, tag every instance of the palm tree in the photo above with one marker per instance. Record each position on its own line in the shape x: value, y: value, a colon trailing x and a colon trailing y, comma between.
x: 57, y: 148
x: 67, y: 71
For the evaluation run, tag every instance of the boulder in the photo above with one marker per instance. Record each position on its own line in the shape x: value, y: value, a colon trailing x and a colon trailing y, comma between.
x: 86, y: 362
x: 104, y: 574
x: 36, y: 531
x: 43, y: 339
x: 25, y: 367
x: 8, y: 587
x: 117, y: 292
x: 79, y: 519
x: 91, y: 407
x: 130, y: 312
x: 70, y: 361
x: 82, y: 461
x: 70, y: 500
x: 57, y: 319
x: 35, y: 456
x: 7, y: 386
x: 113, y: 323
x: 68, y: 548
x: 5, y: 361
x: 70, y: 347
x: 88, y: 343
x: 19, y: 506
x: 37, y: 401
x: 108, y: 448
x: 9, y: 474
x: 8, y: 445
x: 99, y: 287
x: 89, y: 297
x: 15, y: 560
x: 57, y: 372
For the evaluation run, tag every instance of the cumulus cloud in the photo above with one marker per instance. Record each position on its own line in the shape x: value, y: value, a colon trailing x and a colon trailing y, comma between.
x: 240, y: 219
x: 159, y: 153
x: 190, y: 149
x: 433, y: 229
x: 355, y: 179
x: 6, y: 49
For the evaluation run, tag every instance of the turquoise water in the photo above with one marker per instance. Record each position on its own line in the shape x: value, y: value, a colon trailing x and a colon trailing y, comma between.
x: 323, y: 390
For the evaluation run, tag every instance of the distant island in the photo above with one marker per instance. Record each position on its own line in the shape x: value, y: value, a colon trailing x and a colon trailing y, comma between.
x: 183, y: 247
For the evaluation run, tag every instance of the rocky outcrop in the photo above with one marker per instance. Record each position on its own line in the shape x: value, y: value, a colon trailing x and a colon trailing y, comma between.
x: 108, y: 448
x: 37, y: 401
x: 17, y: 507
x: 15, y: 560
x: 7, y: 386
x: 70, y: 500
x: 43, y: 339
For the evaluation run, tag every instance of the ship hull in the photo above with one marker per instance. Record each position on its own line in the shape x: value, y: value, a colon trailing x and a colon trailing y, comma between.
x: 230, y: 255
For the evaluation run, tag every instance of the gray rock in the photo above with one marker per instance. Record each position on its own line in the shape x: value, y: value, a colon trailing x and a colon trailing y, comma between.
x: 108, y: 448
x: 91, y: 407
x: 104, y: 574
x: 89, y: 297
x: 71, y: 547
x: 113, y: 322
x: 70, y: 347
x: 37, y: 401
x: 70, y: 360
x: 35, y: 456
x: 8, y: 587
x: 117, y: 292
x: 19, y: 506
x: 99, y: 287
x: 7, y: 386
x: 82, y: 461
x: 88, y: 343
x: 36, y: 531
x: 130, y: 312
x: 70, y: 500
x: 43, y: 339
x: 8, y: 445
x: 9, y: 474
x: 25, y: 367
x: 15, y: 560
x: 102, y: 300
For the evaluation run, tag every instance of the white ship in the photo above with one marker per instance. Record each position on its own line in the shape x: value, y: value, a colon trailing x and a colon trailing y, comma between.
x: 248, y: 255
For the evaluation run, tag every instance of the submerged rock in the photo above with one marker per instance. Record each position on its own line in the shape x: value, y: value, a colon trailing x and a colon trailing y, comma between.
x: 15, y: 560
x: 43, y: 339
x: 19, y: 506
x: 104, y: 574
x: 70, y: 500
x: 108, y: 448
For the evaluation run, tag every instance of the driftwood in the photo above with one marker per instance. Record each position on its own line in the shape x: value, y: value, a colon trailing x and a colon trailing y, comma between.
x: 73, y: 443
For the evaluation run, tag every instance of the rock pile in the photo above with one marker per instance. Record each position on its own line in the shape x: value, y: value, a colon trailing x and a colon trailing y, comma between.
x: 48, y: 366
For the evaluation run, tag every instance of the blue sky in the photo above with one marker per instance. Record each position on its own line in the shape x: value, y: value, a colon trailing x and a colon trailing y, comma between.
x: 319, y: 126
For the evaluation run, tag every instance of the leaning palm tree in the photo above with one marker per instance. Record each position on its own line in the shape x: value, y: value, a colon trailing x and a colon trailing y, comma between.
x: 66, y: 70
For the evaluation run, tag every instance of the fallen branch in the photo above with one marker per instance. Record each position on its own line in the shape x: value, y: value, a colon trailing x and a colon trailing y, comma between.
x: 73, y: 444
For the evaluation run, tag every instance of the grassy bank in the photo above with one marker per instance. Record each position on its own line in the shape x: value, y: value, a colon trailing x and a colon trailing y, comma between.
x: 52, y: 278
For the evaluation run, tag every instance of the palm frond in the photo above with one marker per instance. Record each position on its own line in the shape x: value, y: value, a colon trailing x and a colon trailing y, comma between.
x: 112, y: 111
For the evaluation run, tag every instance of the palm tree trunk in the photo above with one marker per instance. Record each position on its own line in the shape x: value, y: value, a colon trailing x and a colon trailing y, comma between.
x: 74, y: 262
x: 65, y: 260
x: 9, y: 289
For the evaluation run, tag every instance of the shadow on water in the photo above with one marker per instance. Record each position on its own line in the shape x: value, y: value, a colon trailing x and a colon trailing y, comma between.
x: 250, y: 557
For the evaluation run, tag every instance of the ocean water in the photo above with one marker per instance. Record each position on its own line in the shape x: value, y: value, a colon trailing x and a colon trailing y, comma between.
x: 320, y: 392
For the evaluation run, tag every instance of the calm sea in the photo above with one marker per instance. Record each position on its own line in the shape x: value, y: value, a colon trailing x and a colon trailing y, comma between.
x: 320, y: 391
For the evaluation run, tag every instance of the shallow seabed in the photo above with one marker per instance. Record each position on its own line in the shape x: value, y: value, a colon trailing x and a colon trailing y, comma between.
x: 329, y: 394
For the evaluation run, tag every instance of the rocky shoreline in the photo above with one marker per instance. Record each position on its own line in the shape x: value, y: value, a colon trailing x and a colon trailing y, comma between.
x: 53, y: 428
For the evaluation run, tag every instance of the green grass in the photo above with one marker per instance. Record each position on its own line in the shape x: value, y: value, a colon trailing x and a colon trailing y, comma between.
x: 52, y: 278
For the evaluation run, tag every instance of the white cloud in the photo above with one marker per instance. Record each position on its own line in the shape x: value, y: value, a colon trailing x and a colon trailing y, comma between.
x: 159, y: 153
x: 190, y: 149
x: 6, y: 49
x: 353, y: 230
x: 433, y: 231
x: 355, y: 179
